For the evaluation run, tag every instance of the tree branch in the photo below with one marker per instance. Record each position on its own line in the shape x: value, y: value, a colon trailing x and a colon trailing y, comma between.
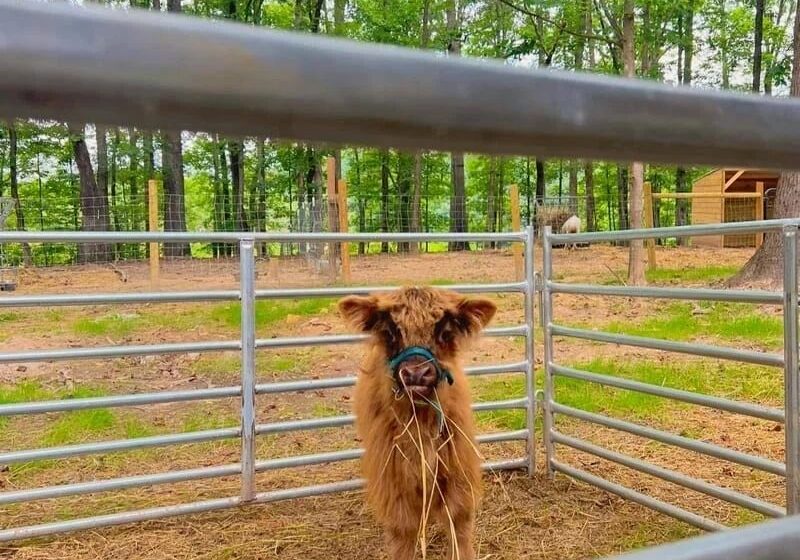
x: 612, y: 21
x: 562, y: 27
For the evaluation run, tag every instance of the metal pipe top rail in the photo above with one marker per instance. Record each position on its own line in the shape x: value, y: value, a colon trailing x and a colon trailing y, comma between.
x: 234, y: 236
x: 733, y: 228
x: 164, y: 71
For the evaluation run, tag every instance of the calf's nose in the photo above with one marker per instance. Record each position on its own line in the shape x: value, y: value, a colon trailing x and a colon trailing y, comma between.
x: 418, y: 374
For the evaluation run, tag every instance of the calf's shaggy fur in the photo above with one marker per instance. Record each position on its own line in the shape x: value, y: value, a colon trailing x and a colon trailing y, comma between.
x: 421, y: 465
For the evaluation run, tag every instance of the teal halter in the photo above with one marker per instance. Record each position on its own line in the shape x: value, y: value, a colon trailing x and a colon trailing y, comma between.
x: 442, y: 374
x: 419, y: 352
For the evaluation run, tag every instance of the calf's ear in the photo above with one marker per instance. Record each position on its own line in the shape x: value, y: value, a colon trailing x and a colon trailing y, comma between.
x: 360, y: 312
x: 474, y: 314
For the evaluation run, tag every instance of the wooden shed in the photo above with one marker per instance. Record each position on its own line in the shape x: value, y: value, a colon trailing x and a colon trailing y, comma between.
x: 732, y: 195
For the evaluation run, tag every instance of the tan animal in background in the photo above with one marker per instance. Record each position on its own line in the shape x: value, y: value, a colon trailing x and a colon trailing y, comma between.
x: 413, y: 411
x: 572, y: 225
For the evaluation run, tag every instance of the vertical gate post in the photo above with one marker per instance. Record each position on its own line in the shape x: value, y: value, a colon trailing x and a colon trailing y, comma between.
x: 791, y: 381
x: 248, y: 343
x: 547, y: 312
x: 530, y: 378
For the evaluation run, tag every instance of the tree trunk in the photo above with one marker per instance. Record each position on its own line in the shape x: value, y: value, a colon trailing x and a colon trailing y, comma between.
x: 416, y: 201
x: 458, y: 198
x: 681, y: 179
x: 758, y: 43
x: 133, y: 186
x: 636, y: 255
x: 174, y: 203
x: 261, y: 184
x: 766, y: 265
x: 101, y: 137
x: 27, y: 256
x: 573, y: 187
x: 622, y: 191
x: 236, y: 150
x: 458, y: 201
x: 172, y: 156
x: 405, y: 172
x: 384, y: 198
x: 112, y: 181
x: 94, y: 208
x: 588, y: 175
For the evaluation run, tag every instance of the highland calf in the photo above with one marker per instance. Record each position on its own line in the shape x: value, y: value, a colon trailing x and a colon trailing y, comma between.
x: 414, y: 416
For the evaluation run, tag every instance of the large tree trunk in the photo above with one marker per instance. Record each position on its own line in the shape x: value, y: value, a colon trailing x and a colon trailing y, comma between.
x: 94, y: 207
x: 27, y: 256
x: 636, y: 254
x: 236, y: 150
x: 174, y: 205
x: 681, y: 179
x: 766, y: 265
x: 458, y: 201
x: 172, y: 156
x: 758, y: 41
x: 573, y: 187
x: 458, y: 196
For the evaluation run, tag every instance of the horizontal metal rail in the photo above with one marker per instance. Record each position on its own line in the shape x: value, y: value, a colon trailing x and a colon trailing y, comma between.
x: 125, y: 483
x: 697, y: 294
x: 702, y: 447
x: 152, y: 514
x: 717, y: 403
x: 115, y: 446
x: 729, y: 228
x: 10, y: 236
x: 407, y: 101
x: 49, y: 300
x: 725, y: 494
x: 639, y: 498
x: 706, y: 350
x: 65, y: 405
x: 771, y: 540
x: 213, y: 346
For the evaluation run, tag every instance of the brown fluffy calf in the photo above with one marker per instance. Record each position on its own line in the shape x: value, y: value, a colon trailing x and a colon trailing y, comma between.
x: 420, y: 459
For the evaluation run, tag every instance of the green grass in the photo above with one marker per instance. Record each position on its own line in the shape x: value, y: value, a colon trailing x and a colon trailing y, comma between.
x: 650, y: 534
x: 271, y: 312
x: 730, y: 380
x: 706, y: 274
x: 736, y: 323
x: 322, y: 410
x: 7, y: 317
x: 208, y: 420
x: 78, y: 426
x: 713, y: 274
x: 115, y: 325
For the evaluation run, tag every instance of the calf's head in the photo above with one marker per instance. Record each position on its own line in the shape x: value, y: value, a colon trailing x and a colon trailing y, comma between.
x: 417, y: 332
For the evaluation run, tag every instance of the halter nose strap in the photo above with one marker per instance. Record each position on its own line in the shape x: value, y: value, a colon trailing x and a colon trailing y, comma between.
x: 442, y: 374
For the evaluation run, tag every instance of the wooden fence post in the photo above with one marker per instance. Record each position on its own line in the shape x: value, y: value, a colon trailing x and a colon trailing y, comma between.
x: 516, y: 225
x: 648, y: 223
x: 333, y: 216
x: 759, y: 202
x: 152, y: 197
x: 343, y: 228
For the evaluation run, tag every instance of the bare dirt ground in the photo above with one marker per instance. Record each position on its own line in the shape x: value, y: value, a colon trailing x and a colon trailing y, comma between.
x: 521, y: 517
